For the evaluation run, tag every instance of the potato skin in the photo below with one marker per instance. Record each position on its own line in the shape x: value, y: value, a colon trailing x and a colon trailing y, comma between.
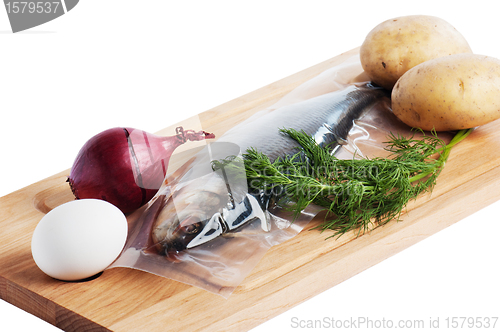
x: 454, y: 92
x: 397, y: 45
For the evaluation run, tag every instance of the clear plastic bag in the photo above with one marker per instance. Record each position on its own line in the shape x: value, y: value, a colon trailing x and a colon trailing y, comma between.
x: 220, y: 264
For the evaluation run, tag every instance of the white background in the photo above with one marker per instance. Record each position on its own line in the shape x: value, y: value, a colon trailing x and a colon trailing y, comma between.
x: 150, y: 64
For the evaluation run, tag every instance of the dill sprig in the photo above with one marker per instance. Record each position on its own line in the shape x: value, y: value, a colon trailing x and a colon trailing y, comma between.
x: 358, y: 194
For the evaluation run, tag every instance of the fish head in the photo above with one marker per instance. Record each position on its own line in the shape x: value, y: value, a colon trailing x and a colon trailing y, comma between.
x: 198, y: 198
x: 184, y: 216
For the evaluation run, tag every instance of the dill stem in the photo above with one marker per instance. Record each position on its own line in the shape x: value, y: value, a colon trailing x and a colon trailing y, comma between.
x: 445, y: 152
x: 459, y: 136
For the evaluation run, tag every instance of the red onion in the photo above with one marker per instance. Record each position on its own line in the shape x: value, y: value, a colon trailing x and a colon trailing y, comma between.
x: 125, y: 166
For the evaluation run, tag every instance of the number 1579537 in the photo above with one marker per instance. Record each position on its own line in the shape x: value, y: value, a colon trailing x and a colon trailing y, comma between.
x: 471, y: 322
x: 32, y: 7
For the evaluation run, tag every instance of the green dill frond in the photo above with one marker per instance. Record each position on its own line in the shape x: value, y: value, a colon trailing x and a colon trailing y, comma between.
x: 358, y: 194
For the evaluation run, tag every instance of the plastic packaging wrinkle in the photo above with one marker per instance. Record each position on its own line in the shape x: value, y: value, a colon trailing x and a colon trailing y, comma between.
x: 203, y: 227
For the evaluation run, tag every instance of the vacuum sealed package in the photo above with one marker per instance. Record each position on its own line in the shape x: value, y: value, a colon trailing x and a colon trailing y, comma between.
x: 205, y: 227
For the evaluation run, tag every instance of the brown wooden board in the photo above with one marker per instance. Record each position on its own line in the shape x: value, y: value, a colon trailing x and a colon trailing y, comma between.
x: 124, y: 299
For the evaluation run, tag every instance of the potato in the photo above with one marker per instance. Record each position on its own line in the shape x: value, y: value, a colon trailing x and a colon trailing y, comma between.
x: 397, y: 45
x: 454, y: 92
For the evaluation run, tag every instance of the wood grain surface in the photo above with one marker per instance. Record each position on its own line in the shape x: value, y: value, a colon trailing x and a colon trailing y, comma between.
x: 124, y: 299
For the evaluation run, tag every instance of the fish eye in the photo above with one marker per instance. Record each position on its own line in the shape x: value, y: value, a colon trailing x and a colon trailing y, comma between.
x: 192, y: 228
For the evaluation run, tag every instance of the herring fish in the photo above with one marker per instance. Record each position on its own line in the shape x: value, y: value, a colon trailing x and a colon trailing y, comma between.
x: 210, y: 205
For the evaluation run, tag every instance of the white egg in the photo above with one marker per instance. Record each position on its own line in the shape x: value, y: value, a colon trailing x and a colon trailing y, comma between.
x: 79, y: 239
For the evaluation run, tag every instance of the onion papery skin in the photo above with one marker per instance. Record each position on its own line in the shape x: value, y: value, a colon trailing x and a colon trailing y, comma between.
x: 125, y: 166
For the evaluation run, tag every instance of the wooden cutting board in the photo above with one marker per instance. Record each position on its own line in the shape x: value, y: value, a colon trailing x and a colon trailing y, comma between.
x: 124, y: 299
